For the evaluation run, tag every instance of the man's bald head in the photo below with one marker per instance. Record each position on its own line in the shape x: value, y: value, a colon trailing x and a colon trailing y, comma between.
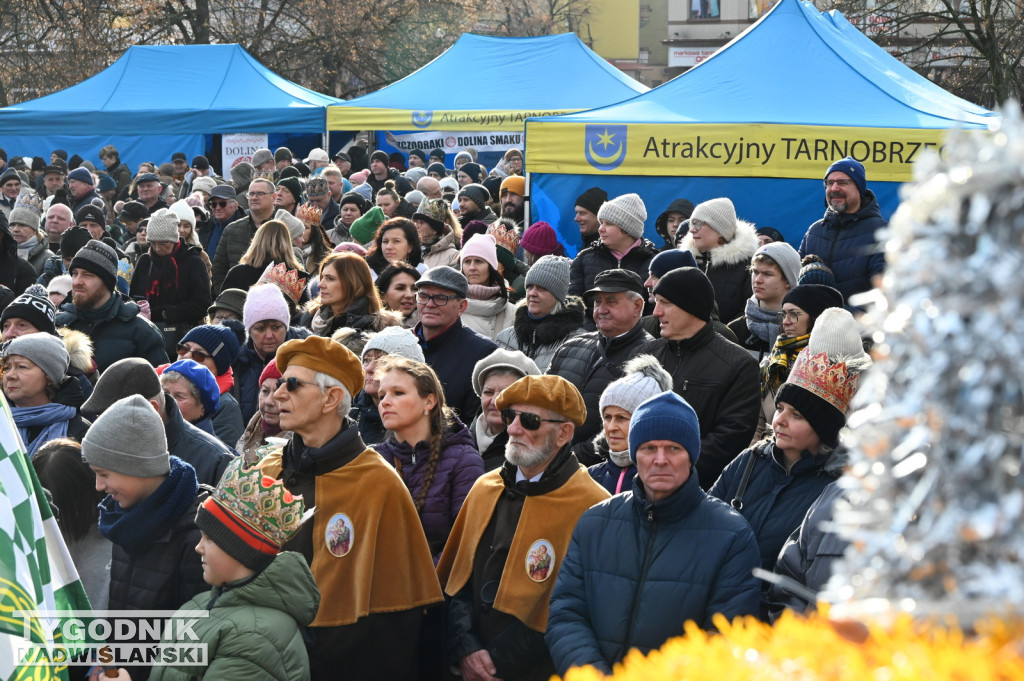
x: 430, y: 187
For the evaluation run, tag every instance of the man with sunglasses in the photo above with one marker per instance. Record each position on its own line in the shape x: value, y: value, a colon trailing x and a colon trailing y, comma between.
x: 375, y: 585
x: 224, y: 210
x: 504, y: 552
x: 450, y: 348
x: 235, y: 239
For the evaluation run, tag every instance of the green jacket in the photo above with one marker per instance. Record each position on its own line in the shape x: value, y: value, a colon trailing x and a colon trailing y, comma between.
x: 253, y: 631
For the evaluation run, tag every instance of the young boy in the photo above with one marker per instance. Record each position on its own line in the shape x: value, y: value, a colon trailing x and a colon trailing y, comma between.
x: 261, y: 598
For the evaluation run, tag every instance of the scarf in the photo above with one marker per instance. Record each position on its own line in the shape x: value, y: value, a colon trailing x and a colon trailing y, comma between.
x: 163, y: 275
x: 52, y: 417
x: 135, y: 529
x: 481, y: 292
x: 483, y: 433
x: 619, y: 256
x: 775, y: 369
x: 761, y: 323
x: 620, y: 459
x: 226, y: 380
x: 25, y: 249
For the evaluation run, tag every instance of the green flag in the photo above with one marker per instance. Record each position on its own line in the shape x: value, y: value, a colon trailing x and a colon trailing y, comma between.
x: 36, y: 571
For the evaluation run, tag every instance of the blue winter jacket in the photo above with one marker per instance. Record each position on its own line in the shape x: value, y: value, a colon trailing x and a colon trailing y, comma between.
x: 636, y: 571
x: 847, y: 244
x: 452, y: 354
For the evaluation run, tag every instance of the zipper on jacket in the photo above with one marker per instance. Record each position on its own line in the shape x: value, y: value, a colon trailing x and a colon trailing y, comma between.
x: 640, y: 585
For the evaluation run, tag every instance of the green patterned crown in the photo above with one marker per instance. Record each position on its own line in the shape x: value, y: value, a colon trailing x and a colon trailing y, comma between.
x: 261, y: 502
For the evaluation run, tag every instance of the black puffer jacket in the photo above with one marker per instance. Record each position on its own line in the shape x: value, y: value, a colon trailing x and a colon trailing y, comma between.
x: 592, y: 261
x: 775, y: 500
x: 720, y: 381
x: 205, y: 453
x: 538, y: 339
x: 591, y: 361
x: 15, y: 273
x: 185, y: 298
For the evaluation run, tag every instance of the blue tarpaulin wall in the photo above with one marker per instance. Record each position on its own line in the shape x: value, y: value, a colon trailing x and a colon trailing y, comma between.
x: 159, y: 99
x: 795, y: 66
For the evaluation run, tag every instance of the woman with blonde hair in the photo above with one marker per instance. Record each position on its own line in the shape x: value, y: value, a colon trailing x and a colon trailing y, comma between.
x: 428, y: 445
x: 272, y: 243
x: 348, y: 298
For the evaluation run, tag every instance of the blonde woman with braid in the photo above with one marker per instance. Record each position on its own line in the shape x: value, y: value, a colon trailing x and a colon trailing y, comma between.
x: 427, y: 444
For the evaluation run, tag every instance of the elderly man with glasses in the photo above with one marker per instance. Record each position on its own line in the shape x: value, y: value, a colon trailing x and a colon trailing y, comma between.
x: 235, y: 239
x: 511, y: 536
x: 365, y: 544
x: 450, y: 348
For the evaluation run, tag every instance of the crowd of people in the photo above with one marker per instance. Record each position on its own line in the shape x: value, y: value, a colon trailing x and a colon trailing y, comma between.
x: 517, y: 462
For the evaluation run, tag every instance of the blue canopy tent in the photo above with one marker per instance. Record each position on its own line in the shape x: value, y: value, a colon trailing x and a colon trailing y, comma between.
x: 480, y: 92
x: 159, y: 99
x: 759, y: 122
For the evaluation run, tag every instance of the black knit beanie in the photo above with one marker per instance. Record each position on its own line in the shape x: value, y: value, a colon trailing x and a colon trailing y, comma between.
x: 689, y: 289
x: 825, y: 419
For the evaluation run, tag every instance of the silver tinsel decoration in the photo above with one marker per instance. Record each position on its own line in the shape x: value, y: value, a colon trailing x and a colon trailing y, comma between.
x: 935, y: 505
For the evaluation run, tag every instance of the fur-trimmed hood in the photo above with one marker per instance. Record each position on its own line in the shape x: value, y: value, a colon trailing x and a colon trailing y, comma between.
x: 740, y: 249
x: 554, y: 328
x: 79, y: 347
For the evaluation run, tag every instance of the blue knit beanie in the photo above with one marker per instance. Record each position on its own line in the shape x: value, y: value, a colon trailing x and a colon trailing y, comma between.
x: 201, y: 377
x: 853, y: 168
x: 219, y: 342
x: 669, y: 260
x: 665, y: 417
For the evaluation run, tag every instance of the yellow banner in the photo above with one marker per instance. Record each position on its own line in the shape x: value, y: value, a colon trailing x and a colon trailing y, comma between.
x: 364, y: 118
x: 720, y: 150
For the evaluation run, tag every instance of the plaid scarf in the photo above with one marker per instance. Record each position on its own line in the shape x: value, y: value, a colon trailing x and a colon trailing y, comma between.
x: 775, y: 368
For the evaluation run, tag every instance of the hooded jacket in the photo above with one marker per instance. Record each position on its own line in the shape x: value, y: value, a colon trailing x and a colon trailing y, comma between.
x: 254, y: 627
x: 459, y: 467
x: 538, y: 339
x: 846, y: 242
x: 681, y: 206
x: 728, y: 268
x: 636, y: 570
x: 116, y: 330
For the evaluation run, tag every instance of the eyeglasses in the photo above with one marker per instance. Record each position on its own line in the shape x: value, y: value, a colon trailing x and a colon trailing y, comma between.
x: 438, y: 299
x: 292, y: 383
x: 218, y: 204
x: 253, y: 195
x: 790, y: 315
x: 526, y: 419
x: 841, y: 183
x: 197, y: 355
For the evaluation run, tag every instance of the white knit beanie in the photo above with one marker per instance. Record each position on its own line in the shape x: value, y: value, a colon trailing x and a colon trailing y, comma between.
x: 627, y: 212
x: 506, y: 360
x: 395, y: 340
x: 644, y: 379
x: 720, y: 215
x: 163, y: 226
x: 204, y: 184
x: 184, y: 212
x: 786, y: 257
x: 835, y: 333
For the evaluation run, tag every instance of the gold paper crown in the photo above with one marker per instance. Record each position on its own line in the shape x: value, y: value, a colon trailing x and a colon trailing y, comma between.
x: 833, y: 382
x: 504, y: 236
x: 265, y: 175
x: 285, y: 279
x: 309, y: 214
x: 260, y: 502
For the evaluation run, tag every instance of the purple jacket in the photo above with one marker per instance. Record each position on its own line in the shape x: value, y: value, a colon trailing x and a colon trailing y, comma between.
x: 458, y: 469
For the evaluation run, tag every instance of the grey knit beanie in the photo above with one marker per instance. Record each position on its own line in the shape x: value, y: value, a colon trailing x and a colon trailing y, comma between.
x: 44, y: 350
x: 786, y: 257
x: 128, y: 439
x: 125, y: 377
x: 204, y: 184
x: 627, y: 212
x: 294, y: 225
x: 551, y: 273
x: 505, y: 360
x: 720, y: 215
x: 163, y: 226
x: 395, y: 340
x: 24, y: 215
x: 643, y: 380
x: 100, y: 259
x: 477, y: 193
x: 261, y: 156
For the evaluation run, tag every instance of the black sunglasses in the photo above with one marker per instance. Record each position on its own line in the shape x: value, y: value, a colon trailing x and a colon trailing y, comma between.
x: 218, y: 204
x: 292, y: 383
x: 198, y: 355
x: 526, y: 419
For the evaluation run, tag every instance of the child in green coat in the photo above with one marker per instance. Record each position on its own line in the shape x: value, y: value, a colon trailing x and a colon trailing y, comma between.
x: 261, y: 597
